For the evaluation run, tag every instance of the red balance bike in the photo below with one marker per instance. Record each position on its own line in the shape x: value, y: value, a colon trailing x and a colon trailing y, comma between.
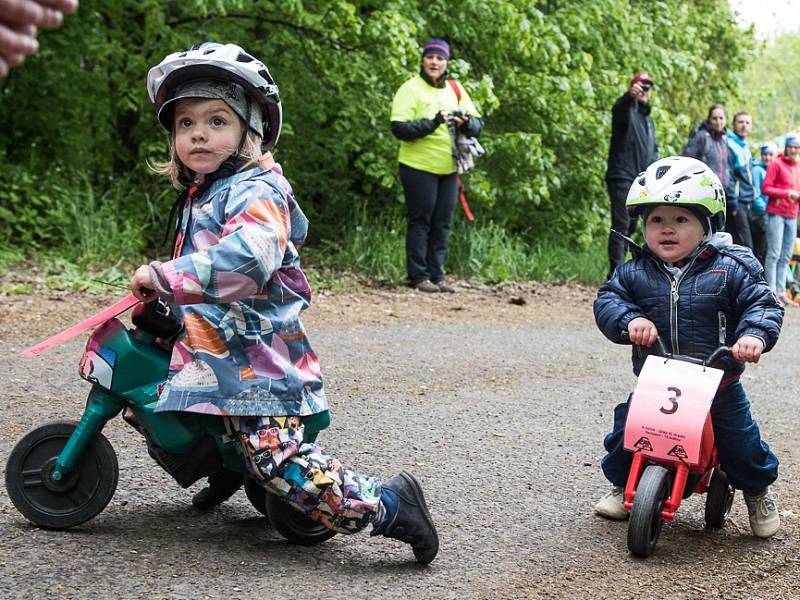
x: 669, y: 431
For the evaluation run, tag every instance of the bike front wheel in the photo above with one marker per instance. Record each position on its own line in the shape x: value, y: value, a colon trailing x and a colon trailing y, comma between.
x: 78, y: 496
x: 645, y: 523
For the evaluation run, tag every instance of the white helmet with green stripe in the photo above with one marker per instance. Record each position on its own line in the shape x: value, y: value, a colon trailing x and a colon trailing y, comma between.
x: 679, y: 181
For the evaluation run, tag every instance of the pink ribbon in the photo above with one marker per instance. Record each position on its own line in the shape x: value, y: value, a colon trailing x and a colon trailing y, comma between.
x: 109, y: 313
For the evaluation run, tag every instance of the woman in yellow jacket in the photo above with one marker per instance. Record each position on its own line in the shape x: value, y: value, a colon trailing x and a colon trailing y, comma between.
x: 428, y: 111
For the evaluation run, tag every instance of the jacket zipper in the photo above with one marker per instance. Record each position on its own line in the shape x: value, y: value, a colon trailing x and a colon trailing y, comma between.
x: 674, y: 296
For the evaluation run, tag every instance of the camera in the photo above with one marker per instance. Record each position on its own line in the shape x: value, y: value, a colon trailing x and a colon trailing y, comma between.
x: 646, y: 87
x: 458, y: 112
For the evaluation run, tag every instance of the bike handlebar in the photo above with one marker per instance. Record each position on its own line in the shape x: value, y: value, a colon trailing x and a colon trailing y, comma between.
x: 716, y: 355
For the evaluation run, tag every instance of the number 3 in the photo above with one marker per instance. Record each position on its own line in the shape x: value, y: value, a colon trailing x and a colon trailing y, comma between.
x: 673, y: 400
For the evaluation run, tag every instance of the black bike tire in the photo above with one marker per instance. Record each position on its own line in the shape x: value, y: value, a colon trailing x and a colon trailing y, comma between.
x: 719, y: 499
x: 293, y: 525
x: 644, y: 526
x: 94, y: 479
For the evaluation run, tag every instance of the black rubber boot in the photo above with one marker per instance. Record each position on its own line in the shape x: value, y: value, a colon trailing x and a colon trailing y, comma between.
x: 221, y: 485
x: 411, y: 522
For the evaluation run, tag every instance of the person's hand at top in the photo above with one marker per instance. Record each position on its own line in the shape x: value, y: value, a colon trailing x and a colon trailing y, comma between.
x: 19, y: 24
x: 748, y: 348
x: 642, y: 332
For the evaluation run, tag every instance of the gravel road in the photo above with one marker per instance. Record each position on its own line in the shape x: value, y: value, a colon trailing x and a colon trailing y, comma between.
x: 496, y: 398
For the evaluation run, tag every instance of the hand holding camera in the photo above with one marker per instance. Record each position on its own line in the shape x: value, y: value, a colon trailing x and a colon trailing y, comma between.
x: 457, y: 116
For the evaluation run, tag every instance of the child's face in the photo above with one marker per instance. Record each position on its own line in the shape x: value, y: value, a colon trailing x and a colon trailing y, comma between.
x: 672, y: 233
x: 206, y: 133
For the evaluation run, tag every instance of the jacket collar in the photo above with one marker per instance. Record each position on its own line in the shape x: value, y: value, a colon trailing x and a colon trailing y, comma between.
x: 429, y: 81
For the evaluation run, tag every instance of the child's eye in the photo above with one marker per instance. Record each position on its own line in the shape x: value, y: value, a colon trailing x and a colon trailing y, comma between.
x: 682, y: 220
x: 186, y: 123
x: 218, y: 121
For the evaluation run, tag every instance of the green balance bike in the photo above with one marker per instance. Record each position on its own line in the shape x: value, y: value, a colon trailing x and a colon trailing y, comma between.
x: 63, y: 474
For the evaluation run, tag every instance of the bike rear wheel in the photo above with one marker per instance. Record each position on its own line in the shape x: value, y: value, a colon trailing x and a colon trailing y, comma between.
x: 645, y: 523
x: 719, y: 499
x: 78, y: 496
x: 294, y: 525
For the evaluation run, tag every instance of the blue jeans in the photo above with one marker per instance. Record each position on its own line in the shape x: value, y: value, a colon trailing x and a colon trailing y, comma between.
x: 747, y: 461
x: 781, y: 232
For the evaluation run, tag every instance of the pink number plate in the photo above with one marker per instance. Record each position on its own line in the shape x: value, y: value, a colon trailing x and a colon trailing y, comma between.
x: 669, y: 409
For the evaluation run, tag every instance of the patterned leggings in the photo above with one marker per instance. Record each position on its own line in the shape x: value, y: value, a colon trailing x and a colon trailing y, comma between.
x: 304, y: 475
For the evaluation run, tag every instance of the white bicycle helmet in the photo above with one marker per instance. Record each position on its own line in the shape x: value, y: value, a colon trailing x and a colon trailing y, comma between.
x: 679, y: 181
x: 180, y: 75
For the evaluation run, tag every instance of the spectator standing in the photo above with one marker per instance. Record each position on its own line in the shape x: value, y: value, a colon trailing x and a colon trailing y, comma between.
x: 782, y: 186
x: 423, y: 120
x: 758, y: 212
x: 632, y: 149
x: 709, y: 144
x: 739, y: 206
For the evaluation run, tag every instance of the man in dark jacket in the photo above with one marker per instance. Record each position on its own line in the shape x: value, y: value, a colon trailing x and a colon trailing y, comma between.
x: 633, y: 147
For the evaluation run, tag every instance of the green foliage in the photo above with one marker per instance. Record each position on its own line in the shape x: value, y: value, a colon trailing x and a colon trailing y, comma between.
x: 771, y: 90
x: 482, y: 252
x: 543, y: 73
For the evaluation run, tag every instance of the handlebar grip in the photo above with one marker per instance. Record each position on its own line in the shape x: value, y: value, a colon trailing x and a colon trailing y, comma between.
x: 717, y: 354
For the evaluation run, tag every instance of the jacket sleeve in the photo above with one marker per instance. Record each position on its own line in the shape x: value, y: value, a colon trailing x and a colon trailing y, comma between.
x: 247, y: 255
x: 769, y: 187
x: 758, y: 310
x: 620, y: 115
x: 473, y: 127
x: 732, y: 183
x: 413, y: 130
x: 614, y: 307
x: 696, y: 146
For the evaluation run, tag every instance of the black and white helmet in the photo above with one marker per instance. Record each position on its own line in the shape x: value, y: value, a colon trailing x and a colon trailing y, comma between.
x: 179, y: 73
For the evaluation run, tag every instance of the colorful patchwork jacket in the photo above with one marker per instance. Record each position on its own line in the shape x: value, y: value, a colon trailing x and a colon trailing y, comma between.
x: 237, y: 285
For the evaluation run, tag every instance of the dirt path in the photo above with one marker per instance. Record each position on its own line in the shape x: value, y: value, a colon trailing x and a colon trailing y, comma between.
x: 497, y: 398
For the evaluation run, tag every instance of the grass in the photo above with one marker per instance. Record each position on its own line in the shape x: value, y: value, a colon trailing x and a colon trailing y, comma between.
x: 484, y: 253
x: 100, y: 242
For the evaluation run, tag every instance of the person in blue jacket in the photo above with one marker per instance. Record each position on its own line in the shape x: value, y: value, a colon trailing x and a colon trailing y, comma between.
x: 739, y: 206
x: 758, y: 213
x: 697, y: 291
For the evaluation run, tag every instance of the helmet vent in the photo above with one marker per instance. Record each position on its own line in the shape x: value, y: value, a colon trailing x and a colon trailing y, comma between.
x: 661, y: 171
x: 245, y: 58
x: 641, y: 181
x: 681, y: 179
x: 209, y: 51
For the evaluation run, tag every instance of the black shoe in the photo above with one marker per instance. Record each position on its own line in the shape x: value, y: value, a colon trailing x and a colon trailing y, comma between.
x: 221, y: 485
x: 412, y: 522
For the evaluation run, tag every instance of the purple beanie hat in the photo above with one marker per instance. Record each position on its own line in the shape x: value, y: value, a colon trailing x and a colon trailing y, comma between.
x: 439, y: 46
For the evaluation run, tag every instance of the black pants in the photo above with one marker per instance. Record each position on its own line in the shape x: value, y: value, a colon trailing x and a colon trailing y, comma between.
x: 737, y: 223
x: 758, y: 231
x: 430, y: 200
x: 620, y: 221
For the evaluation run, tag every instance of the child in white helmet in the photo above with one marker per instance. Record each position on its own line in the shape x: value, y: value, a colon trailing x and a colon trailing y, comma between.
x: 235, y: 282
x: 697, y: 291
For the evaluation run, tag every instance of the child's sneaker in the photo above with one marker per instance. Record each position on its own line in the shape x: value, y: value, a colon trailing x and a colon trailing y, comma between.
x: 403, y: 515
x: 612, y: 505
x: 763, y: 511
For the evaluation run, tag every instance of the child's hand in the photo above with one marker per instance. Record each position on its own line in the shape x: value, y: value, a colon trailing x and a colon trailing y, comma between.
x: 142, y: 285
x: 748, y: 348
x: 642, y: 331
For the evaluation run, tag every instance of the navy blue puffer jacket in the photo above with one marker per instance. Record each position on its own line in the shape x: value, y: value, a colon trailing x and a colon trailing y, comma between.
x: 720, y: 297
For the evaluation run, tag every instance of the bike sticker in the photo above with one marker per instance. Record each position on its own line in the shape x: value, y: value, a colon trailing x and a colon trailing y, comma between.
x: 669, y: 408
